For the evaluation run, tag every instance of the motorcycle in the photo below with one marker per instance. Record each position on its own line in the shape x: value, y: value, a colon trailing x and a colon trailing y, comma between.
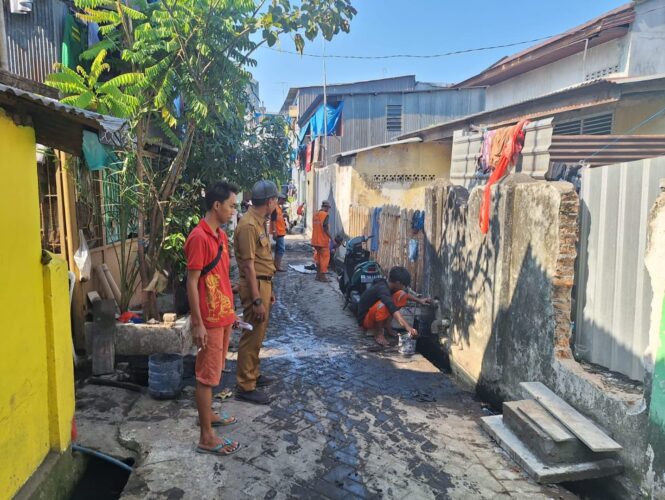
x: 355, y: 271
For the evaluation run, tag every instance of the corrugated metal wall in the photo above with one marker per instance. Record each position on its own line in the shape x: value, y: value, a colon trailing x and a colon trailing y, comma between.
x: 613, y: 289
x: 534, y: 160
x: 34, y: 40
x: 364, y: 115
x: 307, y: 95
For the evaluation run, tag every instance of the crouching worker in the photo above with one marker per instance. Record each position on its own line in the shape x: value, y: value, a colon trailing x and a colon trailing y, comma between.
x: 381, y: 302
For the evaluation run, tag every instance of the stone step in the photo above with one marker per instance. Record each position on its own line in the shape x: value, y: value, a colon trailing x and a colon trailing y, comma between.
x: 544, y: 436
x: 536, y: 468
x: 587, y: 432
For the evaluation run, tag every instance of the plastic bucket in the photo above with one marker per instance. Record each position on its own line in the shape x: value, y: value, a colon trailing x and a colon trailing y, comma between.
x: 165, y: 375
x: 407, y: 345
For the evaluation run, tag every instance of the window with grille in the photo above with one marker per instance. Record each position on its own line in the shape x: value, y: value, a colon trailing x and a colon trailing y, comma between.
x: 49, y: 203
x: 394, y: 117
x: 593, y: 125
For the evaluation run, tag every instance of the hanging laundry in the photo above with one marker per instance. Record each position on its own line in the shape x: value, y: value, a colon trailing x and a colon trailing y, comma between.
x: 376, y: 216
x: 512, y: 148
x: 74, y: 39
x: 484, y: 162
x: 316, y: 152
x: 308, y: 157
x: 569, y: 172
x: 93, y: 34
x: 418, y: 220
x: 500, y: 138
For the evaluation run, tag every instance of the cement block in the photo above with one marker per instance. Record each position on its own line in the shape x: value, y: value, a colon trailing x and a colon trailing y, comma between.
x: 536, y: 468
x: 539, y: 441
x: 144, y: 340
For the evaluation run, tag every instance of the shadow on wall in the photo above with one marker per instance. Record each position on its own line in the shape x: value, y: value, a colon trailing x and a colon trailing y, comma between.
x: 509, y: 296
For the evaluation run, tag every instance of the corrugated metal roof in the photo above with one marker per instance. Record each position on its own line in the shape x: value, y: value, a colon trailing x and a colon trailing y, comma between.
x: 598, y: 150
x: 601, y: 91
x: 34, y: 40
x: 89, y: 118
x: 413, y: 140
x: 600, y: 30
x: 56, y: 123
x: 364, y: 119
x: 306, y: 95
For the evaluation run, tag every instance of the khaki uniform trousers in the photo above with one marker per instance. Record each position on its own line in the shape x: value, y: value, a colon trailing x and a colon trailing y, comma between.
x: 250, y: 342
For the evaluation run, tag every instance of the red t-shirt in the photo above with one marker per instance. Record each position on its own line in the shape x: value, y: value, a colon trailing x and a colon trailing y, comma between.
x: 215, y: 295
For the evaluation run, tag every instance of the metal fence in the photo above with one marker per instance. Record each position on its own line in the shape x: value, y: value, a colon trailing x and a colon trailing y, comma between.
x: 613, y: 287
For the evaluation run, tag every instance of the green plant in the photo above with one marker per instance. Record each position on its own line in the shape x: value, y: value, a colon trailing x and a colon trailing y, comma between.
x: 199, y: 51
x: 84, y: 89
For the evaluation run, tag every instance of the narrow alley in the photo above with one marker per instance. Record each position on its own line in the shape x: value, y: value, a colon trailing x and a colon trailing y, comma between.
x: 345, y: 422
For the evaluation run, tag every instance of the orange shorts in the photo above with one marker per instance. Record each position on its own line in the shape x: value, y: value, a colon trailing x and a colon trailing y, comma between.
x: 211, y: 360
x: 378, y: 313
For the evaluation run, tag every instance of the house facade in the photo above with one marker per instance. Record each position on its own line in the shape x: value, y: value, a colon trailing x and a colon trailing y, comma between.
x: 37, y: 391
x: 358, y: 117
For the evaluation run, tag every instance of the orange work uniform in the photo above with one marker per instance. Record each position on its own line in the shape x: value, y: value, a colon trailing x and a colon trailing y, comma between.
x: 321, y: 241
x: 379, y: 312
x: 278, y: 223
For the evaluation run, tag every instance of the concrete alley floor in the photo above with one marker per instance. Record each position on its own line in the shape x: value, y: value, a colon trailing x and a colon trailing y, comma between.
x: 345, y: 422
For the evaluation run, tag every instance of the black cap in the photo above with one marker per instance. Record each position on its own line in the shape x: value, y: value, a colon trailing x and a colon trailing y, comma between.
x: 263, y: 190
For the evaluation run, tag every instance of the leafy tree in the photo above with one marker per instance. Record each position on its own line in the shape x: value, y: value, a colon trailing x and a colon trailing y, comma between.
x: 86, y: 90
x: 200, y: 52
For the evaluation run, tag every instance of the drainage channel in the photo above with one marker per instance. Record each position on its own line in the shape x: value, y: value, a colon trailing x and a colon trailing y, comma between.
x: 102, y: 480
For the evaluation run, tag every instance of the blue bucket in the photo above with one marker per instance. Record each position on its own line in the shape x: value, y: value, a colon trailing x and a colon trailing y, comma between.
x: 164, y: 375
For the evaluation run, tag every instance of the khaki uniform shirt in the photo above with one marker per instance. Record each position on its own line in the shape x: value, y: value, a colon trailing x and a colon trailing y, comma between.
x: 251, y: 241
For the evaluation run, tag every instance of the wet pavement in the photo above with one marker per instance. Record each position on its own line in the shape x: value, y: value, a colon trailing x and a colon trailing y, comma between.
x: 345, y: 422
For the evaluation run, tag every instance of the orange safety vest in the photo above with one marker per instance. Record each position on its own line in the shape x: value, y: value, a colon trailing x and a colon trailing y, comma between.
x: 279, y: 225
x: 319, y: 237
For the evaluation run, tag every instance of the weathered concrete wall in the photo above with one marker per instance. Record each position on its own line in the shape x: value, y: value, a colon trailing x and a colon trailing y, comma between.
x: 655, y: 357
x: 630, y: 112
x: 399, y: 175
x: 508, y: 294
x: 396, y: 175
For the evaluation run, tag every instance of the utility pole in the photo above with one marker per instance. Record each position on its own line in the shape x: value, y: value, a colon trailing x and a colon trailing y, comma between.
x: 325, y: 109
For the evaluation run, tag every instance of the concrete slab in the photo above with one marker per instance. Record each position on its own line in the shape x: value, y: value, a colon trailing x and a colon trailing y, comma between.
x: 143, y: 339
x: 538, y: 470
x: 568, y: 449
x: 588, y: 432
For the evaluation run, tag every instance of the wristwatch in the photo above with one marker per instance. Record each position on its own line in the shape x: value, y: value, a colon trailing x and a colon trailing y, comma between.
x: 257, y: 302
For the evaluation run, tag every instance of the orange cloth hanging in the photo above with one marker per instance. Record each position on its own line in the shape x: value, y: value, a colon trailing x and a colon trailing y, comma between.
x: 508, y: 157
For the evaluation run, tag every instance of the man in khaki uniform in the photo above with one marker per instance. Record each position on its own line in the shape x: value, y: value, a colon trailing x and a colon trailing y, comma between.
x: 256, y: 264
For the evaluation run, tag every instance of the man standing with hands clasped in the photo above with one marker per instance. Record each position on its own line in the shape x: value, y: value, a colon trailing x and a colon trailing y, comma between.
x: 211, y: 306
x: 255, y: 261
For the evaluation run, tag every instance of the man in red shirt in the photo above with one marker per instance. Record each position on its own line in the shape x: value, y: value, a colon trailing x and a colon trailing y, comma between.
x: 212, y: 312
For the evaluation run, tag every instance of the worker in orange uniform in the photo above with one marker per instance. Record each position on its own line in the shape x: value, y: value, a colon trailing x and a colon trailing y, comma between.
x: 321, y: 241
x: 278, y: 230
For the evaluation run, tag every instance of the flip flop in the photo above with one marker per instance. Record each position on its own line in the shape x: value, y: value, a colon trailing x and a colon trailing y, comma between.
x: 221, y: 423
x: 219, y: 449
x: 224, y: 420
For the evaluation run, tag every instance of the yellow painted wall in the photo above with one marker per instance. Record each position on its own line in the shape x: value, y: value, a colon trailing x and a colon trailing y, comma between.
x: 32, y: 343
x: 59, y: 353
x: 630, y: 112
x: 428, y: 158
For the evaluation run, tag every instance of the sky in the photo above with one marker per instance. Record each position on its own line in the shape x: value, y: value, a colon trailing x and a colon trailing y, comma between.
x: 384, y: 27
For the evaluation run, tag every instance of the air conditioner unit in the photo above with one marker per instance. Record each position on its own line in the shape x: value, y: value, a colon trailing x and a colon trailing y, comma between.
x: 20, y: 6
